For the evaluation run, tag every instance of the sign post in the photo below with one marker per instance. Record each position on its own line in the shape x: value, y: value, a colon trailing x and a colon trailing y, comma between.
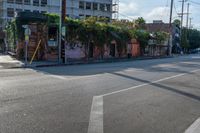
x: 65, y: 45
x: 27, y: 33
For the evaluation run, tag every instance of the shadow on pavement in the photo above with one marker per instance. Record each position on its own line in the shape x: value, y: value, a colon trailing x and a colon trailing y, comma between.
x: 146, y: 65
x: 177, y: 91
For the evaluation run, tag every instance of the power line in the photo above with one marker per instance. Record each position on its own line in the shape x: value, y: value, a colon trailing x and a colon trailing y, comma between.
x: 126, y: 16
x: 188, y: 10
x: 163, y: 14
x: 194, y: 2
x: 166, y: 9
x: 175, y: 8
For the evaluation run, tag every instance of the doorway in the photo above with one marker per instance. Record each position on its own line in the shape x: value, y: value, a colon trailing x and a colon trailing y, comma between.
x: 91, y: 50
x: 112, y: 50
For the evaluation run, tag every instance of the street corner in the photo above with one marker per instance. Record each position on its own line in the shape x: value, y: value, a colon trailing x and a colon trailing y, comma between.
x: 8, y: 62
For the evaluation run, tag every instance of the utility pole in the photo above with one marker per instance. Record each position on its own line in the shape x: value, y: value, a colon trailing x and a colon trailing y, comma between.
x: 63, y: 32
x: 190, y: 23
x: 62, y: 19
x: 60, y: 39
x: 182, y: 14
x: 171, y: 10
x: 183, y: 3
x: 188, y: 10
x: 170, y: 28
x: 63, y: 10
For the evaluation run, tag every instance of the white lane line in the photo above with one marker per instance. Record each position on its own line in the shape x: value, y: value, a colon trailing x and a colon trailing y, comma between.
x: 142, y: 85
x: 96, y: 115
x: 73, y: 77
x: 194, y: 128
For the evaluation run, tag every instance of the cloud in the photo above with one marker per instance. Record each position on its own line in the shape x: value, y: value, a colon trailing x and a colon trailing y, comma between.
x: 128, y: 9
x: 158, y: 13
x: 155, y: 10
x: 132, y: 10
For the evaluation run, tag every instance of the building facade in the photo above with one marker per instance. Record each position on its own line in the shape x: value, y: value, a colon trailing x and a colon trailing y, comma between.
x: 9, y: 8
x: 88, y: 8
x: 175, y: 32
x: 75, y: 8
x: 158, y: 25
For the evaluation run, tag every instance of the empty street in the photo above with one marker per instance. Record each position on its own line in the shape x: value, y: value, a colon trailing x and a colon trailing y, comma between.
x: 143, y: 96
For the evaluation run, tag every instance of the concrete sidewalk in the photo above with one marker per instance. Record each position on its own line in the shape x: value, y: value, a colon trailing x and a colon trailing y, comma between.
x: 49, y: 63
x: 7, y: 62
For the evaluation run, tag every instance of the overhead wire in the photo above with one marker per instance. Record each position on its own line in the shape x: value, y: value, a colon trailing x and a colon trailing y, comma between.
x: 194, y: 2
x: 126, y: 16
x: 175, y: 8
x: 163, y: 14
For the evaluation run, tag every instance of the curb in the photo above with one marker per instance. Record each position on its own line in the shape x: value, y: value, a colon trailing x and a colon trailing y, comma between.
x: 99, y: 62
x: 91, y: 62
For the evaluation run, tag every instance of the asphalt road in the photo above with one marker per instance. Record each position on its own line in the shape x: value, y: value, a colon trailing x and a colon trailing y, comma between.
x: 149, y: 96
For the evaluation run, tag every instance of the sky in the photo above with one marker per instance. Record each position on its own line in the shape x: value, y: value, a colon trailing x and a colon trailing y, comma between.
x: 158, y: 10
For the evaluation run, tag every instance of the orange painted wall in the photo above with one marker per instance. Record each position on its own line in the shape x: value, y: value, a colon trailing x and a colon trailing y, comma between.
x: 135, y: 48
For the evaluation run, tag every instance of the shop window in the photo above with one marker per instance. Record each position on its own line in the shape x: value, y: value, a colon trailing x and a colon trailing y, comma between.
x: 52, y: 36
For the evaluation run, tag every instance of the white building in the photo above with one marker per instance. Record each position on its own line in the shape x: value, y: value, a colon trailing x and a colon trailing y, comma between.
x: 75, y: 8
x: 87, y: 8
x: 9, y: 8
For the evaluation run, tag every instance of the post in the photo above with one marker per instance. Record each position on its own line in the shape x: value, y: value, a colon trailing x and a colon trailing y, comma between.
x: 64, y: 31
x: 183, y: 2
x: 182, y: 13
x: 62, y: 19
x: 27, y: 33
x: 5, y: 43
x: 60, y: 39
x: 26, y: 52
x: 188, y: 10
x: 171, y: 10
x: 170, y: 28
x: 190, y: 23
